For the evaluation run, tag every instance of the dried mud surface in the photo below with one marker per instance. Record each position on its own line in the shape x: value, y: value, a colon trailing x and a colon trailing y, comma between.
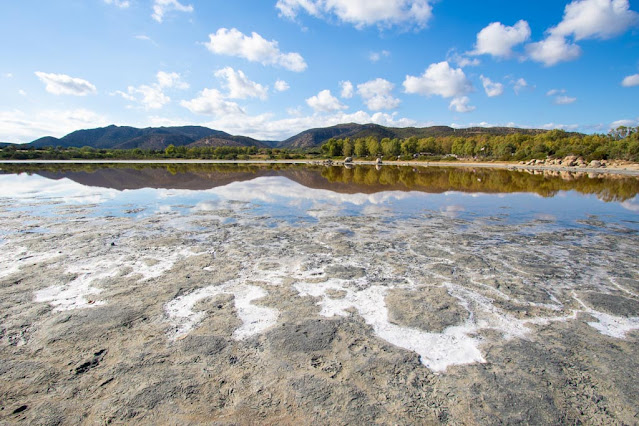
x: 224, y: 316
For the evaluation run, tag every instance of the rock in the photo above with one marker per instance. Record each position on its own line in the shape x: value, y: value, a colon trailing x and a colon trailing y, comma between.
x: 570, y: 161
x: 379, y: 161
x: 348, y: 160
x: 594, y: 164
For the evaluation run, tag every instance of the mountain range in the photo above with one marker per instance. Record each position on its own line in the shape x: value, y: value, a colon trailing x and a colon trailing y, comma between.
x: 158, y: 138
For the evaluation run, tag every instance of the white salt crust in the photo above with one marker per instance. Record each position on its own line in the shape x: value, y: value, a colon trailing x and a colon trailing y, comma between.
x: 255, y: 319
x: 79, y: 293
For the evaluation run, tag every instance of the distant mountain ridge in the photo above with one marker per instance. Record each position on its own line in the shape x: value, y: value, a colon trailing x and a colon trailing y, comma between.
x: 316, y: 137
x: 115, y: 137
x: 159, y: 138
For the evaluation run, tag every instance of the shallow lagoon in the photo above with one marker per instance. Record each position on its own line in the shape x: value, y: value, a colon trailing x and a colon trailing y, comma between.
x: 361, y: 283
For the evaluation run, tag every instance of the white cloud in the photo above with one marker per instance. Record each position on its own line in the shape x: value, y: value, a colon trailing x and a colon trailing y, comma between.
x: 347, y: 89
x: 583, y: 19
x: 239, y: 86
x: 171, y: 80
x: 264, y: 127
x: 61, y: 84
x: 212, y: 102
x: 439, y: 79
x: 362, y: 13
x: 554, y: 92
x: 499, y: 40
x: 602, y: 19
x: 564, y: 100
x: 153, y: 96
x: 295, y: 112
x: 631, y: 81
x: 145, y: 38
x: 123, y: 4
x: 552, y: 126
x: 519, y: 85
x: 254, y: 49
x: 560, y: 97
x: 492, y: 89
x: 460, y: 104
x: 377, y: 94
x: 18, y: 126
x: 281, y: 86
x: 377, y: 56
x: 161, y: 7
x: 22, y: 92
x: 462, y: 60
x: 8, y: 75
x: 626, y: 123
x: 553, y: 50
x: 324, y: 101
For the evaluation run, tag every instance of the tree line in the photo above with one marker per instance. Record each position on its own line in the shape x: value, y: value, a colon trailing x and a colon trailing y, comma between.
x: 620, y: 144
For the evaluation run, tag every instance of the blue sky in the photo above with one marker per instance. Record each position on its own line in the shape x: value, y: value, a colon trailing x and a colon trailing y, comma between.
x: 272, y: 68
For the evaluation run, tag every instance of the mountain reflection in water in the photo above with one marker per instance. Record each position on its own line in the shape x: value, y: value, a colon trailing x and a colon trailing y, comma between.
x: 358, y: 179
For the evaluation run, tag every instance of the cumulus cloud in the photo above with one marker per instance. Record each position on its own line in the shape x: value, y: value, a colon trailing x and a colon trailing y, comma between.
x: 631, y: 81
x: 439, y: 79
x: 152, y: 96
x: 602, y: 19
x: 161, y: 7
x: 212, y: 102
x: 461, y: 104
x: 499, y: 40
x: 462, y: 61
x: 583, y: 19
x: 61, y: 84
x: 265, y: 127
x: 553, y: 50
x: 239, y: 86
x: 492, y: 89
x: 123, y: 4
x: 625, y: 123
x: 253, y: 48
x: 377, y: 94
x: 281, y: 86
x: 362, y: 13
x: 324, y: 101
x: 347, y: 89
x: 18, y: 126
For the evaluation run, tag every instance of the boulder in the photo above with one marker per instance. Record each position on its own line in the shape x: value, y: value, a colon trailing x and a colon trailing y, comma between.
x: 594, y: 164
x: 570, y: 161
x: 379, y: 161
x: 348, y: 160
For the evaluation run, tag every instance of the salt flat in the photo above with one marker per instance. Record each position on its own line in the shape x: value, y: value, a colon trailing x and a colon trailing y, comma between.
x: 274, y: 302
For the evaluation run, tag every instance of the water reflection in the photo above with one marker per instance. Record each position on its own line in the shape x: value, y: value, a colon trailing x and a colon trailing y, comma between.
x: 358, y: 179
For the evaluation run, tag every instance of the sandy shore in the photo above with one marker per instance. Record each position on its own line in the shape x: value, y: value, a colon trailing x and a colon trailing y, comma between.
x: 628, y: 169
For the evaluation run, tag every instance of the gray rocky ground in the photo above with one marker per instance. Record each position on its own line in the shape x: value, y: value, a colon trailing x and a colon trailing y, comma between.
x: 190, y: 319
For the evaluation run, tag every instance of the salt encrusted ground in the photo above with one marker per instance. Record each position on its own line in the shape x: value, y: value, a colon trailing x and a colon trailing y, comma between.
x: 215, y: 311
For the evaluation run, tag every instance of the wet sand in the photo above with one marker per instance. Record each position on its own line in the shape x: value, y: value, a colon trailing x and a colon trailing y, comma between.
x: 225, y: 316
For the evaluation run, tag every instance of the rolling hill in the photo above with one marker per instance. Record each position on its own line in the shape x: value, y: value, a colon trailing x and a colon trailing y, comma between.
x: 316, y: 137
x: 115, y: 137
x: 158, y: 138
